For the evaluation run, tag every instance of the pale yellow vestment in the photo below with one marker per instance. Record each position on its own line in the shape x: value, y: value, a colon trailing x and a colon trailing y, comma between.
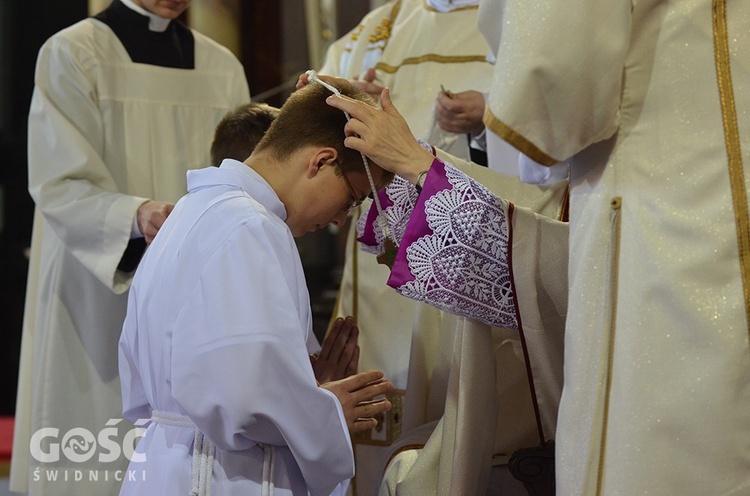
x: 650, y: 100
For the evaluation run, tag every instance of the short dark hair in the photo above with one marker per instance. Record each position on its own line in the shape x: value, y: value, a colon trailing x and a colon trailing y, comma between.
x: 240, y: 130
x: 306, y: 119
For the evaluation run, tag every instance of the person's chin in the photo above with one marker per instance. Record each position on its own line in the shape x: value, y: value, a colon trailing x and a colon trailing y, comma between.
x: 174, y: 8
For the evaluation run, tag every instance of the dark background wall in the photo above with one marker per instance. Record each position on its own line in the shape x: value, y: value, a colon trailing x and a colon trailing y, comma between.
x: 24, y: 26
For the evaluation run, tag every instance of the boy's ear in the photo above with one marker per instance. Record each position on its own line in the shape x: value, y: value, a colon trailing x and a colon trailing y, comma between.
x: 322, y: 157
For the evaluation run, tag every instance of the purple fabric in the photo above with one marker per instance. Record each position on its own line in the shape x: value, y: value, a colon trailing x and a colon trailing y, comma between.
x: 454, y: 253
x: 367, y: 233
x: 417, y: 226
x: 453, y: 245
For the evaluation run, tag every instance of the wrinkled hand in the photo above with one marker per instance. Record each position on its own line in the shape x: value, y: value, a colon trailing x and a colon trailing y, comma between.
x: 151, y: 215
x: 356, y: 395
x: 383, y: 135
x: 367, y: 85
x: 339, y: 355
x: 460, y: 112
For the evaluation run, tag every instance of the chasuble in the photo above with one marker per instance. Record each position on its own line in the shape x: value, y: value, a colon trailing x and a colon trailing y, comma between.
x: 648, y: 100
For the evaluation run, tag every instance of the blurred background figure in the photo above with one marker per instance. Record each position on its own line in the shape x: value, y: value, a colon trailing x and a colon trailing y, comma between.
x: 124, y: 104
x: 240, y: 131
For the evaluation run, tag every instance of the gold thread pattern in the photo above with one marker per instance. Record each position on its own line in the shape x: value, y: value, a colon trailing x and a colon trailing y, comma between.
x: 516, y: 140
x: 431, y: 57
x: 732, y: 141
x: 383, y: 32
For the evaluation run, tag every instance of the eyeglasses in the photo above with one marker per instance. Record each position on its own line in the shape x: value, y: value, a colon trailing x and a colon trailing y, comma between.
x: 356, y: 201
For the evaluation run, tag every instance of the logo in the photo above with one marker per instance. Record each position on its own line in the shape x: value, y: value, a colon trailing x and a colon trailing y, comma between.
x: 79, y: 445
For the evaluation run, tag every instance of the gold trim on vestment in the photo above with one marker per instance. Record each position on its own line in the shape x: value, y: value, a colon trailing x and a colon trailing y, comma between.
x: 355, y: 36
x: 516, y: 140
x: 431, y: 57
x: 734, y: 148
x: 564, y: 214
x: 383, y: 32
x: 433, y: 9
x: 616, y: 220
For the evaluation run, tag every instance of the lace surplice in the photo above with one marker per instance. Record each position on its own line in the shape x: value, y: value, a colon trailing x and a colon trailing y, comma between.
x: 453, y: 241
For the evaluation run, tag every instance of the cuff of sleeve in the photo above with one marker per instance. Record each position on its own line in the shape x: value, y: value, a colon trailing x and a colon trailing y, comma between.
x: 531, y: 172
x: 116, y: 237
x: 135, y: 232
x: 417, y: 227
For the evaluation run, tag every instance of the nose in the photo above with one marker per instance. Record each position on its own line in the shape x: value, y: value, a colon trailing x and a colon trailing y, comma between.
x: 339, y: 219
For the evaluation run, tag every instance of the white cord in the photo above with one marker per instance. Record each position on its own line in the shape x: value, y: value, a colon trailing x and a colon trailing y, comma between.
x: 312, y: 77
x: 269, y: 462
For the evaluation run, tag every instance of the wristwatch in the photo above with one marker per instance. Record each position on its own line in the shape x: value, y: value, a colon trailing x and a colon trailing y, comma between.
x: 420, y: 180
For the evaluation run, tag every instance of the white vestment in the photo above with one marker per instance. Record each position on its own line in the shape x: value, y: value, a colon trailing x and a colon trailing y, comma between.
x: 105, y: 135
x: 650, y: 100
x: 218, y: 329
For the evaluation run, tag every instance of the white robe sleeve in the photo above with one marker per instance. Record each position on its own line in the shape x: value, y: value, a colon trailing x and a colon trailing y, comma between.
x: 240, y: 367
x: 68, y: 179
x: 552, y: 93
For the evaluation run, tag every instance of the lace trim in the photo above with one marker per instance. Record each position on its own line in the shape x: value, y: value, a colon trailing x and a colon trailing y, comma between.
x: 462, y: 266
x: 398, y: 200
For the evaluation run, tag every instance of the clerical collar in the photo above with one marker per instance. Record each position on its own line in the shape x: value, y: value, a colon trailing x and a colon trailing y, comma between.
x: 174, y: 47
x: 155, y: 23
x: 449, y: 5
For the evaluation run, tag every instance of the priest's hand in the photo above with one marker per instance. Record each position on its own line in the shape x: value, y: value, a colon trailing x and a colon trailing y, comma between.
x: 339, y: 355
x: 151, y: 215
x: 460, y: 112
x: 357, y: 393
x: 384, y: 136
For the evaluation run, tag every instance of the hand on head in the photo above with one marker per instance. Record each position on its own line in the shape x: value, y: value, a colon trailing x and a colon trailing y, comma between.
x: 383, y: 135
x: 357, y: 393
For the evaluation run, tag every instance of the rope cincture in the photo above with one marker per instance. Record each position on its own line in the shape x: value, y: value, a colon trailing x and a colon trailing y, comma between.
x: 312, y: 77
x: 204, y: 452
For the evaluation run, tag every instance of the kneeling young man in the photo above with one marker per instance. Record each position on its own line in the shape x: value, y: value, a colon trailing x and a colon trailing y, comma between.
x: 215, y: 347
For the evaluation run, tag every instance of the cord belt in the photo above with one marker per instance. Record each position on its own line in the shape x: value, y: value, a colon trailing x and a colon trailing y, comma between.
x: 203, y: 455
